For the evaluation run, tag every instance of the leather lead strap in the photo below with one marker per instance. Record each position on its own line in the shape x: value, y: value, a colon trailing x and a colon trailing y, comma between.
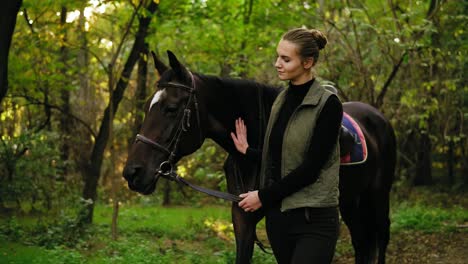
x: 218, y: 194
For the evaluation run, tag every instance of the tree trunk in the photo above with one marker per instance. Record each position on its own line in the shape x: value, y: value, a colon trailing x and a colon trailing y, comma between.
x: 424, y: 162
x: 167, y: 194
x: 8, y: 14
x: 464, y: 163
x: 243, y: 60
x: 140, y: 93
x: 65, y: 122
x: 84, y: 105
x: 92, y: 173
x: 115, y: 214
x: 450, y: 163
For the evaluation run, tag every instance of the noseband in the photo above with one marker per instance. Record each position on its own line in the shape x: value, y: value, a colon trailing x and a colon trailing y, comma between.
x: 166, y: 167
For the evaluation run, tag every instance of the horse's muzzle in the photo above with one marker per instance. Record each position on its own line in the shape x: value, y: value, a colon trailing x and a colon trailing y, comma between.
x: 138, y: 181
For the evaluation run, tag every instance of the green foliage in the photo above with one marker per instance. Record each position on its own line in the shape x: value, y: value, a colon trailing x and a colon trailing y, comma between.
x: 19, y: 254
x: 64, y: 230
x: 33, y: 170
x: 153, y: 234
x: 61, y: 74
x: 11, y: 230
x: 429, y: 209
x: 428, y: 219
x: 205, y: 166
x: 177, y: 223
x: 146, y: 235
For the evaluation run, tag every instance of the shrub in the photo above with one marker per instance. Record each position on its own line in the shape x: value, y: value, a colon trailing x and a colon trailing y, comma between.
x: 33, y: 171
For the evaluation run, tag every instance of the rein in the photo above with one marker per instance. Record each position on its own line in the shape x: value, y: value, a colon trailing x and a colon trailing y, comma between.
x: 172, y: 176
x: 166, y: 167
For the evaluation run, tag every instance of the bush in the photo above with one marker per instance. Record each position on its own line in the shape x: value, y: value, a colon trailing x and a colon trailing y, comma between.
x: 33, y: 171
x: 11, y: 230
x: 68, y: 229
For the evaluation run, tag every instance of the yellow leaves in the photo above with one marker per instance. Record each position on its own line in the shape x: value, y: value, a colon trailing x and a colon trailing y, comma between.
x: 182, y: 171
x: 458, y: 33
x: 7, y: 114
x: 223, y: 229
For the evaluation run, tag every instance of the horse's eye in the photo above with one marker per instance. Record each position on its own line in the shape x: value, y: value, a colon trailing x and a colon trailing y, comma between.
x: 171, y: 109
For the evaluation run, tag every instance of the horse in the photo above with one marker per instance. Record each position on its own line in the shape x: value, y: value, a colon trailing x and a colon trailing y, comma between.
x: 186, y: 108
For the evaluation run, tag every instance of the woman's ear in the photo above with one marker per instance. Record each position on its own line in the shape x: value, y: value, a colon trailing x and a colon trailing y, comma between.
x: 308, y: 63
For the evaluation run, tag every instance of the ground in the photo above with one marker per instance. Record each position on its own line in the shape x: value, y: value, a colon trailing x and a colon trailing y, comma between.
x: 418, y: 247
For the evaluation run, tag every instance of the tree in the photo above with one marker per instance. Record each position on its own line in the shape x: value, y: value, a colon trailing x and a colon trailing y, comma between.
x: 8, y: 15
x: 93, y: 170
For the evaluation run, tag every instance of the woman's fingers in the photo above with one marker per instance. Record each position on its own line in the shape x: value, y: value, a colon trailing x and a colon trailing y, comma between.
x: 239, y: 127
x: 244, y: 128
x: 234, y: 138
x: 241, y: 130
x: 248, y: 203
x: 243, y: 203
x: 240, y: 137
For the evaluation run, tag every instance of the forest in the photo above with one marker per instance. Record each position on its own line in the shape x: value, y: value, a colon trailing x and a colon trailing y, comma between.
x: 75, y: 76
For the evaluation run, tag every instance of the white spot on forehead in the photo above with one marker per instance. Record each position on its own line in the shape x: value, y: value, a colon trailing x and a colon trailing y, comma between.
x: 156, y: 98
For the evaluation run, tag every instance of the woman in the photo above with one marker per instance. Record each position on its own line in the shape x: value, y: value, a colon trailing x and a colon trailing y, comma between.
x: 300, y: 157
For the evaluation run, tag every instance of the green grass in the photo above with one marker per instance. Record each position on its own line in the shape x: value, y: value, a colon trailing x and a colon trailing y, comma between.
x: 154, y: 234
x: 16, y: 253
x: 159, y: 221
x: 428, y: 219
x: 145, y: 235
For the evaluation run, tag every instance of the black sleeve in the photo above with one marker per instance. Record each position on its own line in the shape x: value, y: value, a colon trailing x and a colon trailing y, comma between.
x: 253, y: 154
x: 321, y: 146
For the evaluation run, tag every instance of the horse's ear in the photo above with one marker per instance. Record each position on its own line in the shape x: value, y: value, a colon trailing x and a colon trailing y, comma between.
x: 158, y: 64
x: 178, y: 68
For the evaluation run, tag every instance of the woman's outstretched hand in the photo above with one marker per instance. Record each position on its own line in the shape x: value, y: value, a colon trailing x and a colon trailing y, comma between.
x: 250, y: 202
x: 240, y: 137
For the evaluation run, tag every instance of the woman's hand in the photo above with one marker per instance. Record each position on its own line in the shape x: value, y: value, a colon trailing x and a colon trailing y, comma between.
x: 251, y: 201
x: 240, y: 138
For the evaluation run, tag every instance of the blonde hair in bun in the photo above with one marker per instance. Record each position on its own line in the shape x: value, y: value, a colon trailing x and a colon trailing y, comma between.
x: 308, y: 41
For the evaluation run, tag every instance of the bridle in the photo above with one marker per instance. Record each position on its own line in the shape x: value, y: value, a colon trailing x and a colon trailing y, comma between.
x: 166, y: 168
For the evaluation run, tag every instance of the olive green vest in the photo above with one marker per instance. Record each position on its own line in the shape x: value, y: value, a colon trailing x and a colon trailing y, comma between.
x: 296, y: 140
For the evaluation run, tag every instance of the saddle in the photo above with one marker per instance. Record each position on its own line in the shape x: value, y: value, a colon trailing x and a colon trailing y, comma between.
x: 353, y: 148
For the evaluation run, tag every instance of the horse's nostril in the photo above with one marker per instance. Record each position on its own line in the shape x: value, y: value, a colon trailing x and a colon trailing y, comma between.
x: 130, y: 172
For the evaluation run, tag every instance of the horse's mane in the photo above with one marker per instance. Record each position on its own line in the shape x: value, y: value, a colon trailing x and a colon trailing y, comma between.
x: 242, y: 98
x: 269, y: 91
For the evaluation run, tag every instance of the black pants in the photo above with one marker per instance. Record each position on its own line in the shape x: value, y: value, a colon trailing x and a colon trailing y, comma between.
x: 303, y: 235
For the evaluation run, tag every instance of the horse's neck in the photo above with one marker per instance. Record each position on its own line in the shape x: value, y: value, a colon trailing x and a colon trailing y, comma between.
x: 229, y: 100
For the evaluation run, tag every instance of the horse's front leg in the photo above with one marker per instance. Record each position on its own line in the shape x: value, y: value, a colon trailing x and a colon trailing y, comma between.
x: 244, y: 230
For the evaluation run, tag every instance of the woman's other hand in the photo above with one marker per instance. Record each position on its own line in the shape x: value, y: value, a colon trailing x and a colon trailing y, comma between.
x: 240, y: 137
x: 251, y: 201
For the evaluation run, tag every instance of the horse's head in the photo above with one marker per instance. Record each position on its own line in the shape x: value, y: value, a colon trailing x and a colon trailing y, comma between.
x: 171, y: 129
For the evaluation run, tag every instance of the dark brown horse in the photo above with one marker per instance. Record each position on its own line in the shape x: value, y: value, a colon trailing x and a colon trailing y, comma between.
x: 186, y: 108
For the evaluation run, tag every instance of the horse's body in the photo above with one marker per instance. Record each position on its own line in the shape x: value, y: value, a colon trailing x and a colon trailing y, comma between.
x: 364, y: 189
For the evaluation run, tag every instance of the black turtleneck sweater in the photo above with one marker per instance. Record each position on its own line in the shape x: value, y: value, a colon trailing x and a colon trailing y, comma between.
x: 321, y: 146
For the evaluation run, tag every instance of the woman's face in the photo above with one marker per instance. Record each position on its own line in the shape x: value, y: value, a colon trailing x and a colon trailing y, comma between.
x: 290, y: 65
